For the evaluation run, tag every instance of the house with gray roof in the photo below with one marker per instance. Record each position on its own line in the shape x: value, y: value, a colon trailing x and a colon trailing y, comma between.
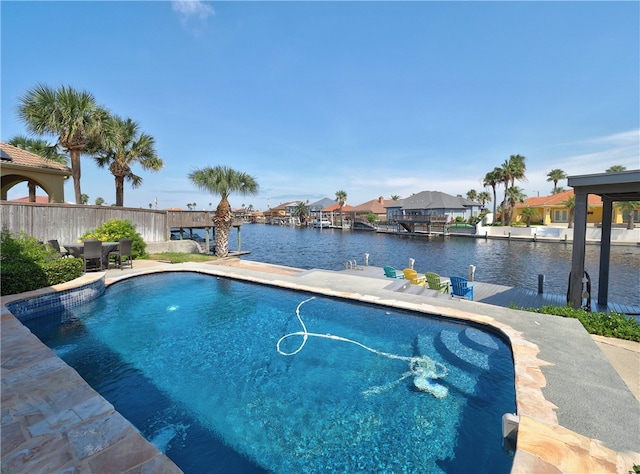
x: 428, y: 207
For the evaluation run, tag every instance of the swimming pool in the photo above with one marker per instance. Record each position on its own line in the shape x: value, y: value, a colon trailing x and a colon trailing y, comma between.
x: 193, y: 362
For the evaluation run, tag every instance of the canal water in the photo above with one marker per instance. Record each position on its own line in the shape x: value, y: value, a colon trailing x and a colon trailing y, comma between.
x: 512, y: 263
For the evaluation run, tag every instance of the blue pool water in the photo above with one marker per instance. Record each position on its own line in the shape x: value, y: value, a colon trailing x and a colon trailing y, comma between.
x: 193, y: 362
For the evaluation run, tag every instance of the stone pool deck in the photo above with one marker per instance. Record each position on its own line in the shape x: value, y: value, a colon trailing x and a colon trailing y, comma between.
x: 577, y: 412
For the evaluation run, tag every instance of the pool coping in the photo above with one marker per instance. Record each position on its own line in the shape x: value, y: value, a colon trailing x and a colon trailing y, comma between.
x: 544, y: 445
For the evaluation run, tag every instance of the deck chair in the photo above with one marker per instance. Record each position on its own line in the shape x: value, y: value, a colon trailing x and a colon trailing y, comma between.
x: 122, y: 254
x: 461, y: 287
x: 391, y: 272
x: 92, y: 253
x: 413, y: 277
x: 436, y: 283
x: 55, y: 245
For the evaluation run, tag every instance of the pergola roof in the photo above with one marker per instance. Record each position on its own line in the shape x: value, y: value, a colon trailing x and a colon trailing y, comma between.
x: 618, y: 186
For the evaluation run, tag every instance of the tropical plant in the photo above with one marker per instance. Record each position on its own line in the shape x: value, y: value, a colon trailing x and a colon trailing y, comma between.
x: 223, y: 181
x: 514, y: 196
x: 372, y: 218
x: 73, y: 116
x: 571, y: 205
x: 84, y: 198
x: 556, y: 175
x: 121, y: 145
x: 40, y: 147
x: 301, y: 211
x: 116, y: 229
x: 472, y: 195
x: 28, y: 265
x: 512, y: 169
x: 615, y: 169
x: 484, y: 197
x: 341, y: 199
x: 99, y: 201
x: 559, y: 189
x: 628, y: 207
x: 395, y: 197
x: 491, y: 179
x: 529, y: 213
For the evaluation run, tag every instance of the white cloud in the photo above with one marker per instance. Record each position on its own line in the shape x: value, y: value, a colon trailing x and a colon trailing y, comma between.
x: 188, y: 9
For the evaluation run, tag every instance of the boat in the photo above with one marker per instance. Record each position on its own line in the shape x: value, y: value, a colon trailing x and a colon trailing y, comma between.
x: 321, y: 223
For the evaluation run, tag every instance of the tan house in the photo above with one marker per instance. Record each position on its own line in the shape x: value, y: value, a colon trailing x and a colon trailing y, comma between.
x: 375, y: 206
x: 554, y: 210
x: 19, y: 165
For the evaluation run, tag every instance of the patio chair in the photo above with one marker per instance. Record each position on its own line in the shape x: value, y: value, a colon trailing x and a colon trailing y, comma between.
x: 92, y: 252
x: 391, y: 272
x: 55, y: 245
x: 436, y: 283
x: 461, y: 287
x: 123, y: 254
x: 413, y: 277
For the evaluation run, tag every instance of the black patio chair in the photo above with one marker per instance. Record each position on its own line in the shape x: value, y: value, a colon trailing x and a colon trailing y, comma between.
x: 56, y: 246
x: 123, y: 254
x: 92, y: 252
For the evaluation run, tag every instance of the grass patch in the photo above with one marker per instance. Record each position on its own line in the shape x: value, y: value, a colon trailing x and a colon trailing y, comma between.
x: 610, y: 324
x: 178, y: 257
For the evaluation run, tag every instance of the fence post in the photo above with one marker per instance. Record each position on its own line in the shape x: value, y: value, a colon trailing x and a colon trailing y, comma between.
x: 540, y: 284
x: 472, y: 272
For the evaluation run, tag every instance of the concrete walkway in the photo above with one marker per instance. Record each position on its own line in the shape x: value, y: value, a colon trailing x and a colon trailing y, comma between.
x: 577, y: 413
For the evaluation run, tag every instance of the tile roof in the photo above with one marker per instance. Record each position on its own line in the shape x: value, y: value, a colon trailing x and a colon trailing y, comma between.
x: 336, y: 207
x: 556, y: 200
x: 17, y: 156
x: 375, y: 206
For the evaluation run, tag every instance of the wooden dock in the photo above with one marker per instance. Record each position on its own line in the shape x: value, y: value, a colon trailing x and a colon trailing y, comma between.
x: 498, y: 295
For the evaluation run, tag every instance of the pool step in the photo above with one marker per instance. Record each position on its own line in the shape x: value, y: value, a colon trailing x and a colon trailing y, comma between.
x: 455, y: 349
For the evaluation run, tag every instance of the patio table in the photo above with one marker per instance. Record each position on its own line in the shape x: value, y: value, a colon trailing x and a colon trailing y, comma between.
x: 76, y: 250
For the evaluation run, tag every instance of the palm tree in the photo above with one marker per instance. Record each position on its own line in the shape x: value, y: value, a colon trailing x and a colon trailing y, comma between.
x: 395, y: 197
x: 223, y: 181
x: 72, y: 115
x: 556, y: 175
x: 39, y: 147
x: 121, y: 145
x: 472, y: 195
x: 492, y: 178
x: 484, y: 197
x: 629, y: 207
x: 571, y: 205
x: 616, y: 168
x: 99, y: 201
x: 85, y: 199
x: 341, y: 198
x: 559, y: 190
x: 512, y: 169
x: 514, y: 196
x: 529, y: 213
x: 301, y: 211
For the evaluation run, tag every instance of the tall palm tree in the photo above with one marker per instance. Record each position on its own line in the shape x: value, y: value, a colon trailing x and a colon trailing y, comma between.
x: 556, y: 175
x: 629, y: 206
x: 616, y: 168
x: 472, y: 195
x: 512, y: 169
x: 484, y: 197
x: 514, y: 196
x: 73, y: 116
x: 39, y: 147
x: 341, y: 199
x: 491, y: 179
x: 395, y: 197
x: 223, y: 181
x: 120, y: 146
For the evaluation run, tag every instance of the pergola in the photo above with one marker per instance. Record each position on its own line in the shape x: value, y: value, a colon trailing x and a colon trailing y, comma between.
x: 20, y: 165
x: 611, y: 187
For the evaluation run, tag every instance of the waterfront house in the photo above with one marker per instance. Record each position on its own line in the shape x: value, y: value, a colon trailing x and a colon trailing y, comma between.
x: 375, y: 206
x: 553, y: 210
x: 315, y: 208
x: 430, y: 207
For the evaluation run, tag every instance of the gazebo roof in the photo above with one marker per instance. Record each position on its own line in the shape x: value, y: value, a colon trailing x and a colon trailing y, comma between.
x: 12, y: 155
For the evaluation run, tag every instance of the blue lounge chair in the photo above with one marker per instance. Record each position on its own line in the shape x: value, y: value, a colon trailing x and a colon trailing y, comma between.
x: 391, y: 272
x: 461, y: 287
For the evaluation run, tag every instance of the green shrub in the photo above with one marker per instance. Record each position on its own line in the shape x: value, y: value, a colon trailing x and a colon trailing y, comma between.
x: 116, y: 229
x: 26, y: 264
x: 610, y: 324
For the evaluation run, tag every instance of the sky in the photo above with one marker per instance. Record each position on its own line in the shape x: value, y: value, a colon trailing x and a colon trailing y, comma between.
x: 309, y: 98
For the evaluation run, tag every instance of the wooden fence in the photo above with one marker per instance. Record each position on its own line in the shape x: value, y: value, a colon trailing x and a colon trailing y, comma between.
x: 67, y: 222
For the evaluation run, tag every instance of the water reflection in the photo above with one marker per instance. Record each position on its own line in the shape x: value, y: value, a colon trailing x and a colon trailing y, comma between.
x: 512, y: 263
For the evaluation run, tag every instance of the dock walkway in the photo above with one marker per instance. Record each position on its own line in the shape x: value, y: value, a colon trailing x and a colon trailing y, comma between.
x: 497, y: 295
